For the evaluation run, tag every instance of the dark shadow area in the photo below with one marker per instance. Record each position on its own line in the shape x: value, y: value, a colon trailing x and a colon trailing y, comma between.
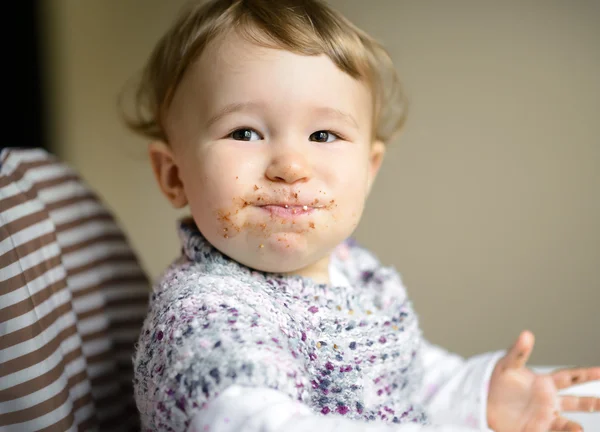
x: 22, y: 61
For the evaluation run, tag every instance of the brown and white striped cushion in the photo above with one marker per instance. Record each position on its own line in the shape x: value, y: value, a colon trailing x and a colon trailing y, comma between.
x: 72, y: 301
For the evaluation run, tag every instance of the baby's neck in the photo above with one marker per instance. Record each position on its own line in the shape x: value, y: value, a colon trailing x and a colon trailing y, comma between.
x: 319, y: 271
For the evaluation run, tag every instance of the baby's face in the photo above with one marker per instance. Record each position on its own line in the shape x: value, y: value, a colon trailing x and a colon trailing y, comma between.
x: 273, y: 153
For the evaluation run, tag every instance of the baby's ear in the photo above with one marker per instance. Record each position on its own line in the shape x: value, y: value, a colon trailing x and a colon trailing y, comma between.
x: 376, y: 154
x: 166, y: 172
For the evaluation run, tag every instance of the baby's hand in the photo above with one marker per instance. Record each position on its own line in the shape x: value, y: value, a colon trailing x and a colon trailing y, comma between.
x: 519, y: 400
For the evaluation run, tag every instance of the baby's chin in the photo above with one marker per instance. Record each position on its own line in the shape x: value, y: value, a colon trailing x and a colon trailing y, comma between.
x: 284, y: 252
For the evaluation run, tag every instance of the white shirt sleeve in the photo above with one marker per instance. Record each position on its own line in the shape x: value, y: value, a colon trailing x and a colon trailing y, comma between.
x: 250, y: 409
x: 455, y: 390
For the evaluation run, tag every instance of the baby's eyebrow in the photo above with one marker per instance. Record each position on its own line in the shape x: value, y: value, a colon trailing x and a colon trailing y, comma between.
x: 256, y: 106
x: 336, y: 113
x: 234, y: 107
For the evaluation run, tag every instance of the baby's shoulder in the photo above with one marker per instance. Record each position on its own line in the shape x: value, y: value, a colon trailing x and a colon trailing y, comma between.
x: 191, y: 284
x: 195, y: 302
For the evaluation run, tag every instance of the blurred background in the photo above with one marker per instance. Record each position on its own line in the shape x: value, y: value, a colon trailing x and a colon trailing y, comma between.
x: 488, y: 204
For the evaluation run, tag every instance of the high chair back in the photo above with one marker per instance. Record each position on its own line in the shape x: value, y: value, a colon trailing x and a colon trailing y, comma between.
x: 72, y: 300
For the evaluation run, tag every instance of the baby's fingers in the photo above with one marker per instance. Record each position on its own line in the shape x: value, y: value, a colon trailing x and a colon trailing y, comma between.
x: 575, y: 403
x: 569, y: 377
x: 561, y: 424
x: 521, y: 350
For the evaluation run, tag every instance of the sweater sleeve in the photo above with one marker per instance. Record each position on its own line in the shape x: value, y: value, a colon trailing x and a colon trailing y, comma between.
x: 455, y: 390
x: 244, y: 409
x: 198, y: 339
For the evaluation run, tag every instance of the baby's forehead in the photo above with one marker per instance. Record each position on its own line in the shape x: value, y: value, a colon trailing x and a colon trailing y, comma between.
x: 243, y: 72
x: 241, y: 64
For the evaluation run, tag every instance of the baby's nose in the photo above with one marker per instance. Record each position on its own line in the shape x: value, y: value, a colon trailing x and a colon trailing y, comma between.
x: 290, y: 168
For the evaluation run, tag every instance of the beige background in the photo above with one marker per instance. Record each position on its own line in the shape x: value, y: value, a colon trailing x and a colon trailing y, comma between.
x: 489, y: 204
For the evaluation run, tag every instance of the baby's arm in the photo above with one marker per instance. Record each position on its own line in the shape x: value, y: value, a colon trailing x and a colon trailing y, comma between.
x: 245, y: 409
x: 455, y: 390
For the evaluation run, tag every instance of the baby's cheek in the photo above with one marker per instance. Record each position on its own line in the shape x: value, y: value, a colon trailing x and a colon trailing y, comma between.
x: 227, y: 219
x: 216, y: 218
x: 347, y: 211
x: 241, y: 218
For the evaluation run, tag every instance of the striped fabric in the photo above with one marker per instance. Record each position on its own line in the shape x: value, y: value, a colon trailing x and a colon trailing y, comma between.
x: 72, y: 301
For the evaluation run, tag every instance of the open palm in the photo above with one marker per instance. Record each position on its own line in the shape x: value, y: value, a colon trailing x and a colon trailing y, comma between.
x: 520, y: 400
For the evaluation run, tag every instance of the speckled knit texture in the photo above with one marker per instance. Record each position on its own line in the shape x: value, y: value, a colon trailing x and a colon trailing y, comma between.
x: 212, y: 322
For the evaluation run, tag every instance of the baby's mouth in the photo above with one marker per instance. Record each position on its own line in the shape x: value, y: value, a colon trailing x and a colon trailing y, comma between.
x: 288, y: 211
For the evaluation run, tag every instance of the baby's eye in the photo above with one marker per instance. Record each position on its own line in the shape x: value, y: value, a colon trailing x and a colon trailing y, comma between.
x: 245, y: 135
x: 323, y: 136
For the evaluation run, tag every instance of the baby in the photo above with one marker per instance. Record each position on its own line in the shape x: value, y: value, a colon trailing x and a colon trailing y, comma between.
x: 270, y: 119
